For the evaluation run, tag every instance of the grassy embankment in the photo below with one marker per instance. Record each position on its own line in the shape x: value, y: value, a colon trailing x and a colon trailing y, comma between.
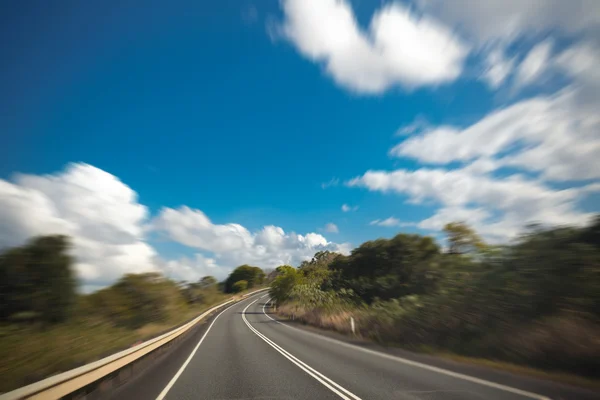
x: 531, y: 306
x: 339, y: 321
x: 32, y: 353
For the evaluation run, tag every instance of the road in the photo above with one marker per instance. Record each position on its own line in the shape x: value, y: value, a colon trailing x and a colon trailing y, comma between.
x: 246, y: 354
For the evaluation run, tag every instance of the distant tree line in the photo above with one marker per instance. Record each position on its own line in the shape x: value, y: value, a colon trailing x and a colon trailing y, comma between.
x: 38, y: 284
x: 534, y: 301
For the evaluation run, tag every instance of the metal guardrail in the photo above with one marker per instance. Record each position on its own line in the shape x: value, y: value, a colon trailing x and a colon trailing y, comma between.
x: 58, y: 386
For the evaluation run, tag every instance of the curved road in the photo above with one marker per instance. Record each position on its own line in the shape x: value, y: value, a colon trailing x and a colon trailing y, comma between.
x: 246, y: 354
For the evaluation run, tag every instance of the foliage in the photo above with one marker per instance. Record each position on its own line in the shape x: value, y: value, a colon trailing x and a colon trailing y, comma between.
x: 240, y: 286
x: 136, y: 300
x: 321, y: 260
x: 37, y: 281
x: 534, y: 302
x: 288, y: 277
x: 208, y: 282
x: 205, y: 291
x: 387, y: 269
x: 462, y: 239
x: 253, y: 275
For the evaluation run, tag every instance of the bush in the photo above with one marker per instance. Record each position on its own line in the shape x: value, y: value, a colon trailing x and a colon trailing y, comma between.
x: 240, y: 286
x: 136, y: 300
x: 534, y: 302
x: 253, y: 275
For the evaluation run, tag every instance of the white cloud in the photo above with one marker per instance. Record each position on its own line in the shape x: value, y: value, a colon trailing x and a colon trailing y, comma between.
x: 494, y: 230
x: 495, y: 25
x: 191, y: 270
x: 232, y: 244
x: 497, y: 67
x: 514, y: 200
x: 108, y: 229
x: 547, y: 134
x: 581, y: 61
x: 98, y: 211
x: 194, y: 229
x: 534, y: 64
x: 330, y: 183
x: 332, y: 228
x: 347, y: 208
x: 391, y: 222
x: 418, y: 125
x: 399, y: 48
x: 504, y: 20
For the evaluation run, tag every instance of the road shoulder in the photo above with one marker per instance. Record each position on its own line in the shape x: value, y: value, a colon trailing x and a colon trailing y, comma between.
x: 544, y: 387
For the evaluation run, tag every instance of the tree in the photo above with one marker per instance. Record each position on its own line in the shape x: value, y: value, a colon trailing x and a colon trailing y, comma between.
x: 253, y: 275
x: 240, y: 286
x: 283, y: 284
x: 320, y: 260
x: 462, y: 239
x: 138, y: 299
x: 207, y: 282
x: 384, y: 268
x: 38, y: 278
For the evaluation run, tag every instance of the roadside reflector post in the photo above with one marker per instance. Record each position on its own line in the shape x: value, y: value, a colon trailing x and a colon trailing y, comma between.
x: 352, y: 325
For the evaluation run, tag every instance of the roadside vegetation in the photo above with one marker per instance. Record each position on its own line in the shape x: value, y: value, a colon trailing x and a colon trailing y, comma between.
x: 534, y: 302
x: 47, y: 327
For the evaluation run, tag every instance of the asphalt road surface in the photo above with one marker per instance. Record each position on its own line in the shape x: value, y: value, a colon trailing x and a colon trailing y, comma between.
x: 244, y: 353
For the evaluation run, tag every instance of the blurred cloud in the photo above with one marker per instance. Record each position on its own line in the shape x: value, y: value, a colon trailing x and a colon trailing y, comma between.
x: 506, y: 20
x: 332, y: 228
x: 109, y: 228
x: 512, y: 201
x: 330, y: 183
x: 399, y: 48
x: 551, y: 135
x: 95, y: 208
x: 232, y: 244
x: 391, y: 222
x: 534, y: 64
x: 497, y: 67
x: 347, y: 208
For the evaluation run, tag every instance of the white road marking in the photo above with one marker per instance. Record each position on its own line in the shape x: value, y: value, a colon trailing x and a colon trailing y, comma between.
x: 331, y: 385
x: 185, y: 364
x: 415, y: 363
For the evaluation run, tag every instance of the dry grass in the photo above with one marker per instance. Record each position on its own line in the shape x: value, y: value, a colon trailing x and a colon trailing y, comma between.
x: 338, y: 321
x: 575, y: 342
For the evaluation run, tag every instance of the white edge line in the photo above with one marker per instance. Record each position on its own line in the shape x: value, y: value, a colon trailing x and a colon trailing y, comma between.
x: 331, y: 385
x: 417, y: 364
x: 185, y: 364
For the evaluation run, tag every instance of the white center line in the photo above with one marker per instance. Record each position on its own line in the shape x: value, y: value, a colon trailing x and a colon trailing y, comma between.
x: 328, y: 383
x: 185, y: 364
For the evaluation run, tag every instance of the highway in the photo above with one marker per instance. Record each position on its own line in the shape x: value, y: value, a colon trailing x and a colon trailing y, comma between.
x: 244, y: 353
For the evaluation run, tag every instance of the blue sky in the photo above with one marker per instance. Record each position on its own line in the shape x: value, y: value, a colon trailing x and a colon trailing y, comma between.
x: 242, y: 110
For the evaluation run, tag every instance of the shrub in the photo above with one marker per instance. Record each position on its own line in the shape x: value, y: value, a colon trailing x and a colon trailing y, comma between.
x: 240, y: 286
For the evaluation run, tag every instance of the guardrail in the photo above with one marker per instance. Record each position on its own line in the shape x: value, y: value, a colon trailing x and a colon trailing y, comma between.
x: 58, y: 386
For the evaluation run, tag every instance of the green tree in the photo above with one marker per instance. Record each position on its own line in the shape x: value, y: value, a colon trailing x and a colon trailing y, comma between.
x: 138, y: 299
x: 385, y: 268
x: 38, y: 279
x: 462, y: 239
x: 321, y: 259
x: 283, y: 284
x: 240, y: 286
x: 253, y: 275
x: 207, y: 282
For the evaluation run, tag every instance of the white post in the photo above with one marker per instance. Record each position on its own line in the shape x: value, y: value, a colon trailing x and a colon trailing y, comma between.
x: 352, y: 324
